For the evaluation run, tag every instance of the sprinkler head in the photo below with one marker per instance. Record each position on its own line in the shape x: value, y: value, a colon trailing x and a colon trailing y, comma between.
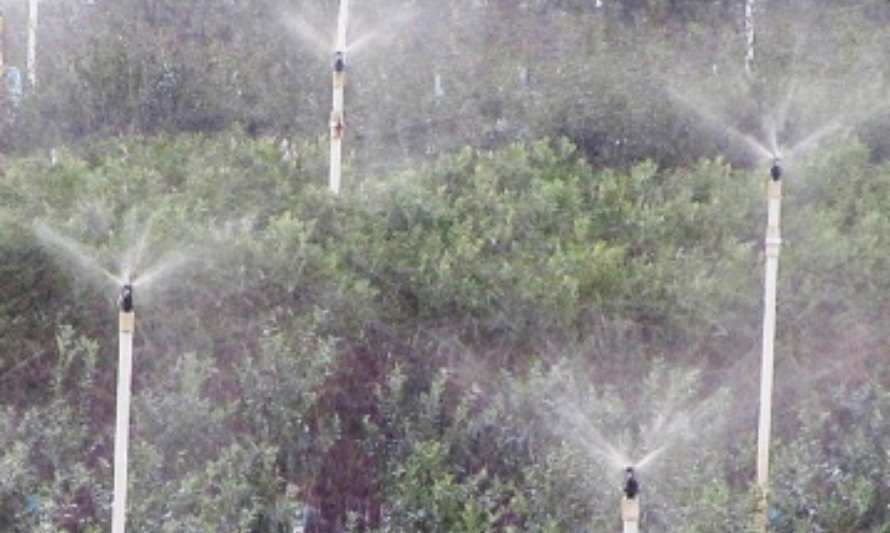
x: 776, y: 170
x: 339, y: 61
x: 126, y: 299
x: 631, y: 486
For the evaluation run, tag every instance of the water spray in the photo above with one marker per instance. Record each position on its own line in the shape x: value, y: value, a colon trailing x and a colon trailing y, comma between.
x: 126, y: 326
x: 773, y: 245
x: 630, y: 502
x: 338, y: 122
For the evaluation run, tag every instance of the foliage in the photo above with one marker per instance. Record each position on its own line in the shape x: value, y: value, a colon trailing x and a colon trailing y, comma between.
x: 447, y: 348
x: 605, y: 77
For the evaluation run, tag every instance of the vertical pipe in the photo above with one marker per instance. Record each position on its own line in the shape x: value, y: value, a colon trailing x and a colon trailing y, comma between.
x: 32, y: 43
x: 338, y: 122
x: 630, y: 514
x: 773, y: 244
x: 126, y: 326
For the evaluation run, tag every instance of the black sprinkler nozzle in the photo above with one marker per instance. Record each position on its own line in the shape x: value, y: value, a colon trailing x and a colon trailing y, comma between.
x: 776, y: 170
x: 339, y: 62
x: 126, y: 299
x: 631, y: 486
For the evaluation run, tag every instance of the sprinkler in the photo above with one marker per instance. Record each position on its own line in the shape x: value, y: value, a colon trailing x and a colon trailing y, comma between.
x: 126, y: 298
x: 776, y: 170
x: 338, y: 124
x: 773, y: 244
x: 631, y: 485
x: 339, y: 62
x: 630, y: 503
x: 126, y: 327
x: 125, y: 285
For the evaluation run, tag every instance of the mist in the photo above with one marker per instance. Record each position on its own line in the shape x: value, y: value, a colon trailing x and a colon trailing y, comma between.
x: 444, y: 266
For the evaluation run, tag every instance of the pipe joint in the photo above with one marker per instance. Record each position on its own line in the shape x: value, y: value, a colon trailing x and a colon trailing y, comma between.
x: 337, y: 125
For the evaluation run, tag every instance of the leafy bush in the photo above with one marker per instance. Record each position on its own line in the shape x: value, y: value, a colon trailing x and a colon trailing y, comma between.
x: 450, y: 347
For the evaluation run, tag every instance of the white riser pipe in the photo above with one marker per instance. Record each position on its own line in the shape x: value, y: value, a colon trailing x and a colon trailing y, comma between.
x: 127, y: 323
x: 773, y: 245
x: 338, y: 116
x: 338, y: 126
x: 630, y: 514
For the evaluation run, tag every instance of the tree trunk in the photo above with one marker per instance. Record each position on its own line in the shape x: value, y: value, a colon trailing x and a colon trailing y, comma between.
x: 749, y: 37
x: 2, y: 48
x: 32, y: 43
